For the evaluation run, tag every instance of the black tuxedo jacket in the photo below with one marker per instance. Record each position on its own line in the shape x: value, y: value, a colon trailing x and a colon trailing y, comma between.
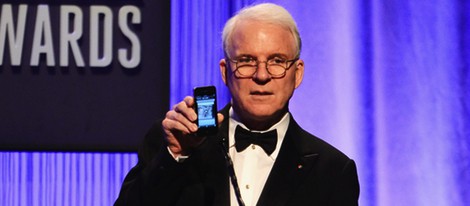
x: 307, y: 171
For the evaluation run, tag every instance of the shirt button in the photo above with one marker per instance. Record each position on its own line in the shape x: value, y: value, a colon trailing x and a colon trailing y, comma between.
x: 247, y: 187
x: 253, y: 146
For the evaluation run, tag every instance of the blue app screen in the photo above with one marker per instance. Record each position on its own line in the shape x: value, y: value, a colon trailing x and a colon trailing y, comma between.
x: 206, y: 111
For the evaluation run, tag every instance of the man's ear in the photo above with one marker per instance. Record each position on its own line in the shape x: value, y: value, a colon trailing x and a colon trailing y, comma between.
x: 299, y: 72
x: 223, y: 70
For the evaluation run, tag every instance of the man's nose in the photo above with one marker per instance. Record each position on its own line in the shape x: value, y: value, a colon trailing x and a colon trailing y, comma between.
x: 262, y: 75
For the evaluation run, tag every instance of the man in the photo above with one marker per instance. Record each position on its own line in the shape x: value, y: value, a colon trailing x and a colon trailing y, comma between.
x: 262, y: 69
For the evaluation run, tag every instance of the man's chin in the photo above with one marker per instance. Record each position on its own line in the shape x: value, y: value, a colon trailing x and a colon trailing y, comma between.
x: 261, y: 114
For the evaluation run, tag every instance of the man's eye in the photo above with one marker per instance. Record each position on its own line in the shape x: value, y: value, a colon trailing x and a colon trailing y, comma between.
x: 245, y: 60
x: 278, y: 60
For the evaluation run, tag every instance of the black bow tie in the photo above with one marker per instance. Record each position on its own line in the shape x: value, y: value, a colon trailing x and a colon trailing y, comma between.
x: 266, y: 140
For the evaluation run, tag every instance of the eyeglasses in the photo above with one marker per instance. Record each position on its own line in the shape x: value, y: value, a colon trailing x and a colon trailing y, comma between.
x: 246, y: 67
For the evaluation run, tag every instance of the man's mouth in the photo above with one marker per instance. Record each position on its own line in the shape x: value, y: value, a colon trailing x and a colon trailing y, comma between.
x: 261, y: 93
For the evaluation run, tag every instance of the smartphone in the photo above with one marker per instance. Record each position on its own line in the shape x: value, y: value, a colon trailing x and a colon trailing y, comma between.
x: 206, y: 110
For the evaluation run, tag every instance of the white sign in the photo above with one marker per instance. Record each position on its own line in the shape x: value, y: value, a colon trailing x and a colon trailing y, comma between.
x: 101, y: 19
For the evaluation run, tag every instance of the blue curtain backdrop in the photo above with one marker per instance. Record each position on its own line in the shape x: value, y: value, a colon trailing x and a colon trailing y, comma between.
x: 62, y: 178
x: 387, y: 82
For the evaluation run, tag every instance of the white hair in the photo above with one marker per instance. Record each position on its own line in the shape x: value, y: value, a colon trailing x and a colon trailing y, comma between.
x: 266, y: 12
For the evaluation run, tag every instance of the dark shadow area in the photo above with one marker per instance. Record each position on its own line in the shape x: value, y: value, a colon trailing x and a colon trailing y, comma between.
x: 75, y: 2
x: 101, y: 70
x: 133, y: 71
x: 16, y: 69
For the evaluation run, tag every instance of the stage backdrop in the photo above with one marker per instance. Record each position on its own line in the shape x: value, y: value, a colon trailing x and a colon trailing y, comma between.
x: 82, y: 75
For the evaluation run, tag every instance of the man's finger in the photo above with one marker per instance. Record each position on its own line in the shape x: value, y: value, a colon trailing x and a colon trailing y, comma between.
x: 220, y: 118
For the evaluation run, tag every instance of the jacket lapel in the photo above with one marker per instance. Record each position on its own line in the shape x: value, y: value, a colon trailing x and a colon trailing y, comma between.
x: 222, y: 181
x: 292, y: 164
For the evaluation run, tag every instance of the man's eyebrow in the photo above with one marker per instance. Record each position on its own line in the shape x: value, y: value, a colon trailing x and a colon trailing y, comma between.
x: 269, y: 57
x: 245, y: 56
x: 277, y: 55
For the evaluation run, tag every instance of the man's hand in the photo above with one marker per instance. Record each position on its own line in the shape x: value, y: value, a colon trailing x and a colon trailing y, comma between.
x: 180, y: 127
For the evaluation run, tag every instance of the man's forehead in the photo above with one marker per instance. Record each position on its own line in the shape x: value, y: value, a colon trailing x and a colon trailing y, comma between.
x: 247, y: 32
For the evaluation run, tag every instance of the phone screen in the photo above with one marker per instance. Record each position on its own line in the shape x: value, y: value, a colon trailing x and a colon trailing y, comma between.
x: 206, y: 109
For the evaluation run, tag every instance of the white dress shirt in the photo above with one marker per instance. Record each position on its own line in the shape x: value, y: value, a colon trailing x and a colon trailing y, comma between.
x: 252, y: 165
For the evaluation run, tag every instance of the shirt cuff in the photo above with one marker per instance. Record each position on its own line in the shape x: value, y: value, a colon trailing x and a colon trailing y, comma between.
x: 178, y: 159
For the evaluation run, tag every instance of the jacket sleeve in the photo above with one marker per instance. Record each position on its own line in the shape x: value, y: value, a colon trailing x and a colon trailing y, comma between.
x: 157, y: 178
x: 347, y: 186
